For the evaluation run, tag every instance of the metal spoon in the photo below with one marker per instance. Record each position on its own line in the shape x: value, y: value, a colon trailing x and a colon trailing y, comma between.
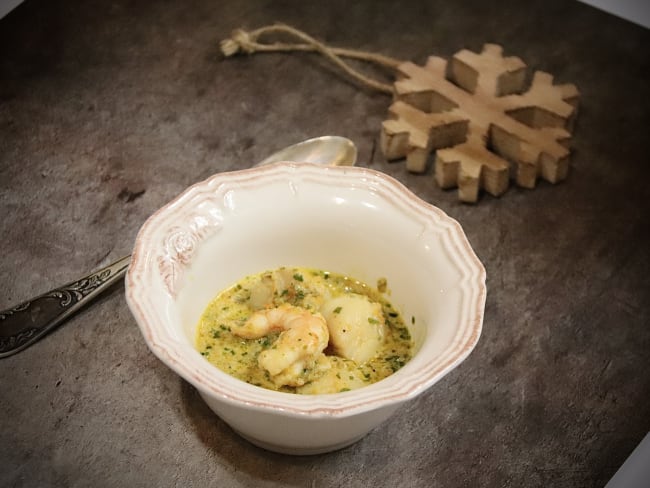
x: 23, y: 325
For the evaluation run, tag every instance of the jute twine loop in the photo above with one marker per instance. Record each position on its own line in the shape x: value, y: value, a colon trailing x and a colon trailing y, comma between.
x: 248, y: 42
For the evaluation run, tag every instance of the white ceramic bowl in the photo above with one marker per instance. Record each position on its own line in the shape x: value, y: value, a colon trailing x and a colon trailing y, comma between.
x: 348, y: 220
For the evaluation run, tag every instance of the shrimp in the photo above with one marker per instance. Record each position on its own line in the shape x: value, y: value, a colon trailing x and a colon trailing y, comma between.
x: 296, y: 356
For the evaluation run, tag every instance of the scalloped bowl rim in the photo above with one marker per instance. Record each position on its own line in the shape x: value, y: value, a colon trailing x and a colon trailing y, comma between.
x: 399, y: 387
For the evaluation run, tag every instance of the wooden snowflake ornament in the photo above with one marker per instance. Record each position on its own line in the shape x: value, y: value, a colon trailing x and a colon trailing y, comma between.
x: 480, y: 117
x: 476, y: 112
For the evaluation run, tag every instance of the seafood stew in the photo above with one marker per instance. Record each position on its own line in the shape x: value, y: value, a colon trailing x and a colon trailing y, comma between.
x: 307, y: 331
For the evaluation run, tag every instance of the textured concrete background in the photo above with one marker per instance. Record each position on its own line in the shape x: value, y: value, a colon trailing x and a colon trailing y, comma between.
x: 101, y: 101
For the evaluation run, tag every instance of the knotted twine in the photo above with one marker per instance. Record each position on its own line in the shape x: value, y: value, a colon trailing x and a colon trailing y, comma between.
x: 249, y: 43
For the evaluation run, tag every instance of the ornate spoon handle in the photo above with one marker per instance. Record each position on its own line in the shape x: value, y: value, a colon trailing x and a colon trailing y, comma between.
x: 24, y: 324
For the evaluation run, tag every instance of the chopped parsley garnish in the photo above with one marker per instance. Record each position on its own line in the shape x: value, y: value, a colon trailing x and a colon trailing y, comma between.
x: 395, y: 362
x: 382, y: 285
x: 404, y: 334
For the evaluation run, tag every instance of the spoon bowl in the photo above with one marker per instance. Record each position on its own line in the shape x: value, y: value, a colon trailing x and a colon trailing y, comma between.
x: 328, y: 150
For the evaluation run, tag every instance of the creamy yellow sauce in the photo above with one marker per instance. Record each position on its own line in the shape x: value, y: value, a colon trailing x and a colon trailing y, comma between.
x: 385, y: 348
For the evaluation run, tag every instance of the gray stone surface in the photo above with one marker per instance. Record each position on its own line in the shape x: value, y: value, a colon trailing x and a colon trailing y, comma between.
x: 100, y: 101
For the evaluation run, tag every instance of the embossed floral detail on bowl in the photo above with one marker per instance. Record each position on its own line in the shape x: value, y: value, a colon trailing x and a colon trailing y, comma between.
x: 180, y: 243
x: 348, y: 220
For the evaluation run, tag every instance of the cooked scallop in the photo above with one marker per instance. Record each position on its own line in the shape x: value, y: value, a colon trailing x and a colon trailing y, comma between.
x: 356, y: 326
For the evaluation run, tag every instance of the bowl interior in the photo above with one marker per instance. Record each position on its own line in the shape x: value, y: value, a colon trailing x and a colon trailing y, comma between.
x: 346, y: 220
